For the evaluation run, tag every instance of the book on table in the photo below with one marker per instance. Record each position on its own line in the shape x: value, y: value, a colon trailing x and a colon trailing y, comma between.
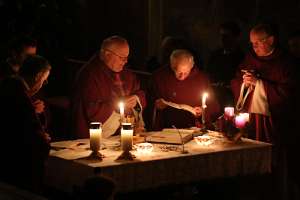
x: 171, y: 136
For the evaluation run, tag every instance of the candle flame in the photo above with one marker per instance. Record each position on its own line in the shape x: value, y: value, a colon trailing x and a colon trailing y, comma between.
x: 204, y: 97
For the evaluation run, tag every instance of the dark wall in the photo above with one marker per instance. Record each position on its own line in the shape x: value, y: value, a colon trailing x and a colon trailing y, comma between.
x: 75, y: 28
x: 198, y: 21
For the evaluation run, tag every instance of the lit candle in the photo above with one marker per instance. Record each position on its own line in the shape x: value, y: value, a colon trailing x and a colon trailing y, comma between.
x: 204, y: 97
x: 121, y: 106
x: 95, y: 136
x: 246, y: 116
x: 126, y: 136
x: 228, y: 112
x: 240, y: 121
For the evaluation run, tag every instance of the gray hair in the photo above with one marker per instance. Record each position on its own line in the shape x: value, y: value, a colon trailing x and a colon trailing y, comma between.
x: 109, y: 42
x: 181, y: 54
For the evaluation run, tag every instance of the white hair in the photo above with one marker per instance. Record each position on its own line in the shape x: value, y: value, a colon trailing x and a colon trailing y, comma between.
x: 181, y: 55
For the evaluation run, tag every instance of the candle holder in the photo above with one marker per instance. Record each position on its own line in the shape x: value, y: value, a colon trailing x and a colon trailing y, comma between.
x: 95, y: 140
x: 126, y: 142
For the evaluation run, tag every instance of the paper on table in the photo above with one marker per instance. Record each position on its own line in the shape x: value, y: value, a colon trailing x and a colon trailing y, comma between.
x: 70, y: 154
x: 180, y: 106
x: 69, y: 144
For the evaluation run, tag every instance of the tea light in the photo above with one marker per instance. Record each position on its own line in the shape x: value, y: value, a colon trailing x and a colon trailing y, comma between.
x: 203, y: 140
x: 95, y: 136
x: 126, y: 136
x: 228, y: 112
x: 144, y: 148
x: 240, y: 121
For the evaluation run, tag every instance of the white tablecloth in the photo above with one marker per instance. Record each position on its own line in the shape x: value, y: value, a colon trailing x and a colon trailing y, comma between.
x: 166, y: 165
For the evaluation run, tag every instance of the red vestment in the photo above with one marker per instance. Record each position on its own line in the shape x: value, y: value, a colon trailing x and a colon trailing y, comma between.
x: 276, y: 73
x: 97, y: 92
x: 188, y: 91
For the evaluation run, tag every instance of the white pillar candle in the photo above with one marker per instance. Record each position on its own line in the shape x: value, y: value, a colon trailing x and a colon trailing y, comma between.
x: 122, y: 109
x: 95, y: 136
x: 228, y: 112
x: 126, y: 137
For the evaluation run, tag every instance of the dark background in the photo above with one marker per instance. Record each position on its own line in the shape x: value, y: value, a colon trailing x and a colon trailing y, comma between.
x: 75, y: 28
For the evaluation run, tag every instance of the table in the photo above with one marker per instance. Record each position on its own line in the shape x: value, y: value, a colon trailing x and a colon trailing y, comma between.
x: 67, y: 166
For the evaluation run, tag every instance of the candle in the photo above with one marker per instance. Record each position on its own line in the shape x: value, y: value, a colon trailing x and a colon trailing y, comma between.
x: 240, y: 121
x: 204, y: 96
x: 95, y: 136
x: 228, y: 112
x: 121, y: 106
x: 126, y: 136
x: 246, y: 116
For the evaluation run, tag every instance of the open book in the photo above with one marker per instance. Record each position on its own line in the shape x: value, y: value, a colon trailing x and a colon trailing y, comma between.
x: 180, y: 106
x: 171, y: 136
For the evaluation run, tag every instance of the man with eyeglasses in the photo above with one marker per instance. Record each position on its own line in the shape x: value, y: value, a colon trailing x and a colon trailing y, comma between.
x: 264, y: 88
x: 101, y: 84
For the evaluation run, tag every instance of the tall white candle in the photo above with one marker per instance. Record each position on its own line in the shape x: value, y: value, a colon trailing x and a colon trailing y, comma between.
x: 204, y: 97
x: 126, y: 136
x: 122, y: 109
x: 95, y: 136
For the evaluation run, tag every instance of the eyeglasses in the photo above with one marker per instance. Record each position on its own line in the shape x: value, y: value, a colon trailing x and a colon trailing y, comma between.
x: 259, y: 41
x: 123, y: 58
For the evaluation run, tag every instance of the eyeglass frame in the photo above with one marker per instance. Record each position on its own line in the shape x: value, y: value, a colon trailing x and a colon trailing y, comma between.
x: 121, y: 57
x: 260, y: 41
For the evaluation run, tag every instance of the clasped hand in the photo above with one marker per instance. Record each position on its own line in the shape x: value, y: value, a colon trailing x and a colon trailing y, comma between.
x: 249, y: 79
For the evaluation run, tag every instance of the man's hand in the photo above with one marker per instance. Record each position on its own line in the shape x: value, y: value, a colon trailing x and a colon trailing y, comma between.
x: 160, y: 105
x: 198, y: 111
x: 249, y: 79
x: 39, y: 106
x: 130, y: 102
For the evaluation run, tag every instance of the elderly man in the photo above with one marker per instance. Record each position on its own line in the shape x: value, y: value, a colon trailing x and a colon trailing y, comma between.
x: 25, y: 144
x: 101, y: 84
x: 264, y: 87
x: 181, y: 83
x: 264, y: 84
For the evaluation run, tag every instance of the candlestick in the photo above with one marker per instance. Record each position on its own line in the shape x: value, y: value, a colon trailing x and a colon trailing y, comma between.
x: 122, y: 109
x: 228, y: 112
x: 95, y: 139
x: 126, y: 142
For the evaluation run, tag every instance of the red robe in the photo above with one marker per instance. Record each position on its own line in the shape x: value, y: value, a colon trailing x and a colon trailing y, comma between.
x: 188, y: 91
x: 276, y: 72
x: 96, y: 95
